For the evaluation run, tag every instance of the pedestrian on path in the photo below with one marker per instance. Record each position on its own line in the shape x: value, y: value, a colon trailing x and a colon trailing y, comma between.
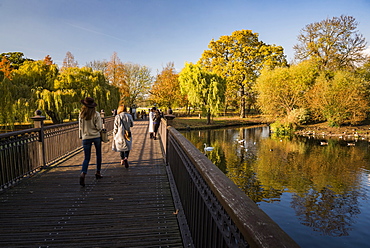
x: 151, y: 124
x: 90, y: 125
x: 122, y: 140
x: 156, y: 121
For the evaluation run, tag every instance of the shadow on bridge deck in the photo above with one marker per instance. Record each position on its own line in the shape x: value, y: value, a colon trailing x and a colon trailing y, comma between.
x: 127, y: 208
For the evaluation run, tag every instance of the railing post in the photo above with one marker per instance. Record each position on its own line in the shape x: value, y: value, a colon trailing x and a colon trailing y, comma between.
x: 38, y: 122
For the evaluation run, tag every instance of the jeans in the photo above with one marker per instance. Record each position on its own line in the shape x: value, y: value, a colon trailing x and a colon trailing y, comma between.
x: 87, y: 143
x: 124, y: 154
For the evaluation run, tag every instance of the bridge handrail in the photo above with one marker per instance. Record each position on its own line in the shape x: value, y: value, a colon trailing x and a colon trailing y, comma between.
x: 22, y: 153
x: 218, y: 213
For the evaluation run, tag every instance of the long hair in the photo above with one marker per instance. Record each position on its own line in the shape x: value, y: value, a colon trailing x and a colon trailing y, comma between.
x: 87, y: 113
x: 121, y: 108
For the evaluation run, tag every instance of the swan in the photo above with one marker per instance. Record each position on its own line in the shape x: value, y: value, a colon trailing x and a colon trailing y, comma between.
x: 207, y: 148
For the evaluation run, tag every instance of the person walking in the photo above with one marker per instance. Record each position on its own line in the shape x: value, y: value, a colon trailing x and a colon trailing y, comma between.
x: 122, y: 140
x: 156, y: 122
x: 151, y: 124
x: 90, y: 125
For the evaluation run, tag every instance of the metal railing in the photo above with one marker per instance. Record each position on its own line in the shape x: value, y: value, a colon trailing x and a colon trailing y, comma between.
x: 22, y: 153
x: 217, y: 212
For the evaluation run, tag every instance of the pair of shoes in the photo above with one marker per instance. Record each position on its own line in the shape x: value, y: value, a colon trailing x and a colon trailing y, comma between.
x: 98, y: 176
x: 126, y: 162
x: 82, y: 179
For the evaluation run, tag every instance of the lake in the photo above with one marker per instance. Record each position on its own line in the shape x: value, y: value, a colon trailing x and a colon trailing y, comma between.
x: 316, y: 192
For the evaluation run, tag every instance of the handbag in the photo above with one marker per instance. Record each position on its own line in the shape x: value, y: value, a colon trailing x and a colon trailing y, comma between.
x: 127, y: 135
x: 104, y: 135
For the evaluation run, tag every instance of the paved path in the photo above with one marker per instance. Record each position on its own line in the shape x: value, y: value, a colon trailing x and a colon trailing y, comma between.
x: 127, y: 208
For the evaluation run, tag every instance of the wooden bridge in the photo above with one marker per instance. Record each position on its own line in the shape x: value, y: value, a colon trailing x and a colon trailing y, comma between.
x: 127, y: 208
x: 170, y: 196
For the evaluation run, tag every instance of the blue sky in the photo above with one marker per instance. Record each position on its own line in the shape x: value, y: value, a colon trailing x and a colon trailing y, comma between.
x: 155, y: 32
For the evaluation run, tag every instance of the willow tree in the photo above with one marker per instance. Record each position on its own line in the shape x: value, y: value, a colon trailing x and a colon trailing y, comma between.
x: 74, y: 84
x: 204, y: 89
x: 333, y: 43
x: 166, y: 88
x: 240, y: 58
x: 31, y: 78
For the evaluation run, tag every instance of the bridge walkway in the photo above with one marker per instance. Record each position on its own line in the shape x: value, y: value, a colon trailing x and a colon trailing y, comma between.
x: 127, y: 208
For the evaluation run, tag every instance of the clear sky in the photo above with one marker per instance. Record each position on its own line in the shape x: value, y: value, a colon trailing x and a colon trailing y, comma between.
x: 155, y: 32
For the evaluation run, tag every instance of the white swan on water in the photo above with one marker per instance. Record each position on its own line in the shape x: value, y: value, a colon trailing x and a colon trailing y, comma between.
x: 207, y: 148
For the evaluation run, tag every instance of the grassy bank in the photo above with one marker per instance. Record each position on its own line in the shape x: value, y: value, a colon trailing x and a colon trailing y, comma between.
x: 182, y: 123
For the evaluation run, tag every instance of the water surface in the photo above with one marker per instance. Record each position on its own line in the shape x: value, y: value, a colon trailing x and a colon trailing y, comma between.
x: 318, y: 194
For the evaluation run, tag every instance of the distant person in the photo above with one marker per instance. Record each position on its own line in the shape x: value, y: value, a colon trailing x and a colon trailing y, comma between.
x: 122, y: 134
x: 151, y: 124
x: 90, y: 125
x: 169, y: 111
x: 156, y: 121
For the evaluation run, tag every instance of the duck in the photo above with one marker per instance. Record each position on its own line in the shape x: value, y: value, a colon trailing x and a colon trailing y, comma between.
x: 207, y: 148
x: 323, y: 143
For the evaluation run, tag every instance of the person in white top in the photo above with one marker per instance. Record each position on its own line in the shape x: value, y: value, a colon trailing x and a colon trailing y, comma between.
x: 151, y: 123
x: 90, y: 125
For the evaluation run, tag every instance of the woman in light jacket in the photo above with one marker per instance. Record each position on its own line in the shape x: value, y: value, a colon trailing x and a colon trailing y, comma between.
x: 122, y: 140
x: 90, y: 125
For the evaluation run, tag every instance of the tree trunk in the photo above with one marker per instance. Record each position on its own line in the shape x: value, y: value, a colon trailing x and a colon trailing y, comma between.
x: 54, y: 117
x: 208, y: 117
x: 242, y: 103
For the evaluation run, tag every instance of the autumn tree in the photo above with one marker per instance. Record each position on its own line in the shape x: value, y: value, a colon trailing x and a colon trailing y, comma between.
x: 338, y: 97
x: 166, y: 88
x: 97, y: 65
x: 5, y: 69
x: 239, y: 58
x: 137, y: 80
x: 333, y: 43
x: 281, y: 91
x: 69, y: 61
x: 204, y: 89
x: 115, y: 72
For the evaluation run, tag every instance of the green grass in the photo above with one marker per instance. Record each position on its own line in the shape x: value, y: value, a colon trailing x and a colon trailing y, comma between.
x: 201, y: 123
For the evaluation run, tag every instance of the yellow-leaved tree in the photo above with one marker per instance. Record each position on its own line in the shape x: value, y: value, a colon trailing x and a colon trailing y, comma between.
x: 239, y: 58
x: 166, y: 88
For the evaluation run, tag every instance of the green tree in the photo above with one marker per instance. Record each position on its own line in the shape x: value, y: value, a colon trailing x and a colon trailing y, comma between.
x: 203, y: 88
x: 333, y: 43
x: 166, y: 88
x: 240, y: 58
x: 16, y: 59
x: 74, y: 84
x: 31, y: 78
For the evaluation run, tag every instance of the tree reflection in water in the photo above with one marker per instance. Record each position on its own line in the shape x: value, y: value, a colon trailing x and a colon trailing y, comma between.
x: 324, y: 181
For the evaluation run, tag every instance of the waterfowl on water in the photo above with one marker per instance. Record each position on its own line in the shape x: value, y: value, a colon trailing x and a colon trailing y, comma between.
x: 207, y: 148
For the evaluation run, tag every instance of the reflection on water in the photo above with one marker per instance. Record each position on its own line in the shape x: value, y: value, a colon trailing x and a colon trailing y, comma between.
x: 327, y: 185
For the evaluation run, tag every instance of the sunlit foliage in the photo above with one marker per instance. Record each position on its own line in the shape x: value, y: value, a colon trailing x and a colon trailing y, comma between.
x: 203, y: 89
x: 332, y: 43
x: 166, y: 88
x: 337, y: 97
x: 239, y: 58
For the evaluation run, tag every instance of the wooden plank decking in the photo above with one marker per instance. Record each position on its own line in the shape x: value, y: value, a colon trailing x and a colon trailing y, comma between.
x: 127, y: 208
